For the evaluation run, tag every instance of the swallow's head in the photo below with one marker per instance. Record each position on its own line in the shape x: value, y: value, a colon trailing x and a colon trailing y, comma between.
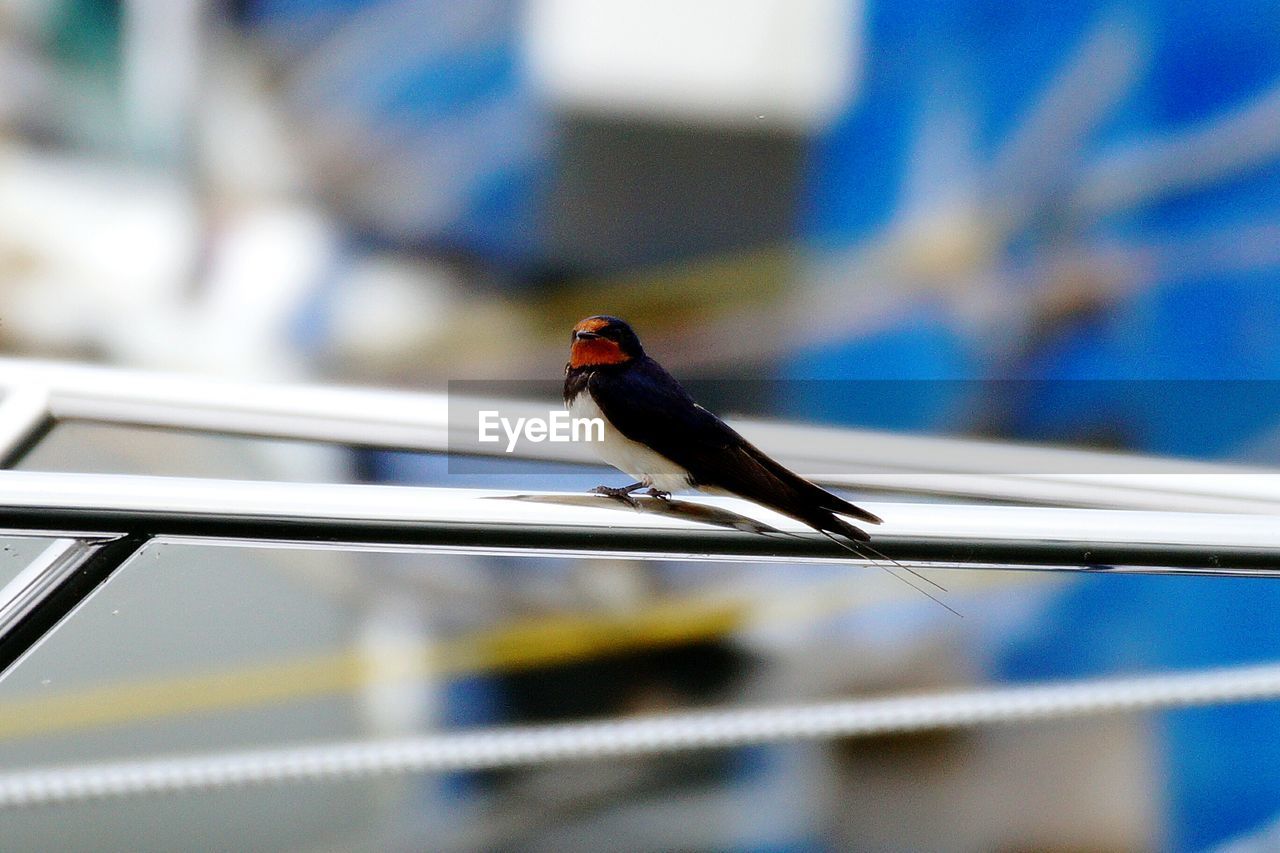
x: 603, y: 340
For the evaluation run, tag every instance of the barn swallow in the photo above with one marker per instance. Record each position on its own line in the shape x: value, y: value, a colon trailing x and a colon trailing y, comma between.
x: 655, y: 432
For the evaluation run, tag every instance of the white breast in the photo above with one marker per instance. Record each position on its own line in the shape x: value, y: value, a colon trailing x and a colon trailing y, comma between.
x: 629, y: 456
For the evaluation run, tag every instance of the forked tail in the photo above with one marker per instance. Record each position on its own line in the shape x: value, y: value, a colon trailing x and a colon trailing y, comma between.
x: 858, y: 544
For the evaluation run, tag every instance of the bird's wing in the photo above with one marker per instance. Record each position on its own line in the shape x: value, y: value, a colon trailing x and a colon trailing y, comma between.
x: 648, y: 405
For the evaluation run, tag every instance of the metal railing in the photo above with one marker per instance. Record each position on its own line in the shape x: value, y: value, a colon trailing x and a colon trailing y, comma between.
x: 99, y: 521
x: 42, y: 393
x: 923, y: 535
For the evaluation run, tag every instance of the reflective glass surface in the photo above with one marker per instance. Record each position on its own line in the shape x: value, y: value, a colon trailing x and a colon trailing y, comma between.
x: 100, y: 448
x: 194, y: 647
x: 17, y: 552
x: 95, y: 448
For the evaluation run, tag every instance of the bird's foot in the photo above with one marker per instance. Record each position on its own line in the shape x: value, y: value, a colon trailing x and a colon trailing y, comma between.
x: 623, y: 493
x: 659, y: 494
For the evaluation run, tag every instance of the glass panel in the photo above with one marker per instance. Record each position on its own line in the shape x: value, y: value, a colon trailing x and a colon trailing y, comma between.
x: 95, y: 448
x: 194, y: 647
x: 17, y: 552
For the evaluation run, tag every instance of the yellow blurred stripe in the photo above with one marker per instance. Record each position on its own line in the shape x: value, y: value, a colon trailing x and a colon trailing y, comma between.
x: 520, y: 645
x: 523, y: 645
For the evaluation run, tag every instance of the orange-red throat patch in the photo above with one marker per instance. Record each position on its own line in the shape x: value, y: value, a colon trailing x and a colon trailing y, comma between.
x: 594, y: 352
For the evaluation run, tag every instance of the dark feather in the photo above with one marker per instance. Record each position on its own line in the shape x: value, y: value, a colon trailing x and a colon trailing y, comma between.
x: 648, y: 405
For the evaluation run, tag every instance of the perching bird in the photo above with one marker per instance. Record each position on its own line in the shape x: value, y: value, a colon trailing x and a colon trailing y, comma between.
x: 655, y: 432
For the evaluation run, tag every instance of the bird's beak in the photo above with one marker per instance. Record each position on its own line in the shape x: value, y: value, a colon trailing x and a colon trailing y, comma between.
x: 584, y: 336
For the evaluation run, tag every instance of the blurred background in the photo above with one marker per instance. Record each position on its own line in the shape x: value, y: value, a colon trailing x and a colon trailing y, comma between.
x: 1079, y: 201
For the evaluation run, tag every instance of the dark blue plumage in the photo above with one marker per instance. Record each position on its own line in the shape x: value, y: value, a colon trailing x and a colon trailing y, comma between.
x: 652, y: 412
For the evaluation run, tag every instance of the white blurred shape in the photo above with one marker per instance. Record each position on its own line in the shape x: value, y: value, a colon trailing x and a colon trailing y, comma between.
x: 88, y: 251
x: 386, y: 308
x: 395, y: 698
x: 245, y: 150
x: 161, y: 51
x: 788, y: 63
x: 266, y: 263
x: 30, y: 18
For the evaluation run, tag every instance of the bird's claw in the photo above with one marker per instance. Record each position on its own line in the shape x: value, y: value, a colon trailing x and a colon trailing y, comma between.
x: 659, y: 494
x: 623, y: 495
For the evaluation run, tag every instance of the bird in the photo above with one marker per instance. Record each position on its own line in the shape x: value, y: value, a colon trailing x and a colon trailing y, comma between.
x: 655, y: 432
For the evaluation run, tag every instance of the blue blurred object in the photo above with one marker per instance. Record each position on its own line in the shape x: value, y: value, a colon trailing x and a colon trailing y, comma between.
x: 1210, y: 313
x: 419, y: 117
x: 1222, y: 764
x: 908, y: 367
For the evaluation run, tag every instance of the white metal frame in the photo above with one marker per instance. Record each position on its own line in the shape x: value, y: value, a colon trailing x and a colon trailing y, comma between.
x: 389, y: 419
x: 1226, y: 527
